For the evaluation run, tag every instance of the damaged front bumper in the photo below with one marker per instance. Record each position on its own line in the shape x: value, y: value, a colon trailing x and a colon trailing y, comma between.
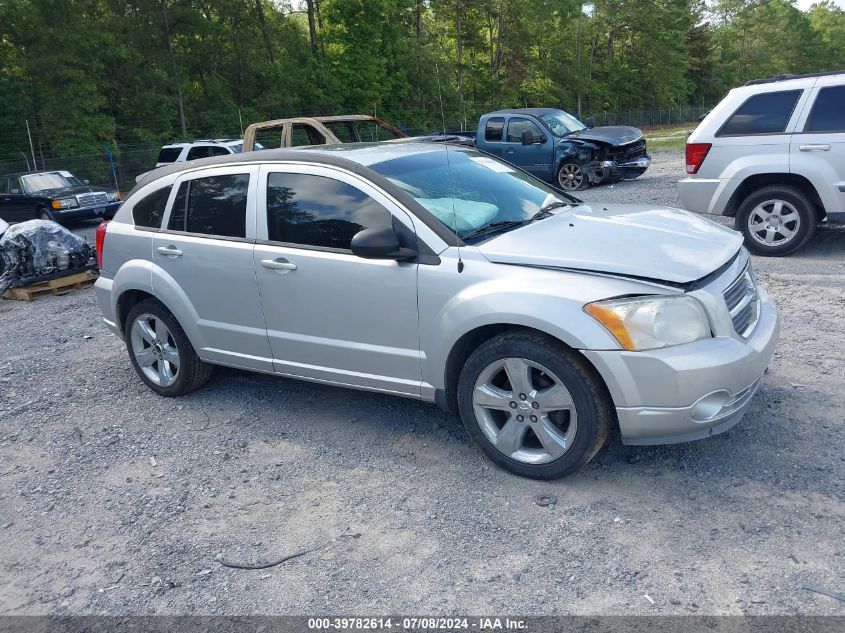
x: 600, y: 171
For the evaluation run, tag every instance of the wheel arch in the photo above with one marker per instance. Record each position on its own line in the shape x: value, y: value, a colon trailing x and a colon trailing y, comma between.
x: 756, y: 181
x: 470, y: 341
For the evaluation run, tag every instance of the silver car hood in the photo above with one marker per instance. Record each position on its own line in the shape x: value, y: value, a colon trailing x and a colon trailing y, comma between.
x: 625, y: 239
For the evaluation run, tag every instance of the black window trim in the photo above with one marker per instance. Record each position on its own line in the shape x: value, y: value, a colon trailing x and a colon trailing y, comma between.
x: 800, y: 92
x: 153, y: 192
x: 804, y: 130
x: 508, y: 126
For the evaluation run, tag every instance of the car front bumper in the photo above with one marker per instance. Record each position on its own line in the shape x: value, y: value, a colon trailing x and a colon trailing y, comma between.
x: 105, y: 211
x: 609, y: 171
x: 688, y: 392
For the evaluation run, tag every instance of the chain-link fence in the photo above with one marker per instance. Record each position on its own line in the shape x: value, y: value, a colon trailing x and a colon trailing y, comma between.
x: 119, y: 164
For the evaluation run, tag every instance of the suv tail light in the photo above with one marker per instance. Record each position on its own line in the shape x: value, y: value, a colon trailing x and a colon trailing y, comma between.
x: 696, y: 153
x: 100, y: 241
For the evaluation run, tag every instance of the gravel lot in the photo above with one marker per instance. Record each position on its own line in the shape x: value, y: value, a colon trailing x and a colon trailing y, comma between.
x: 116, y: 501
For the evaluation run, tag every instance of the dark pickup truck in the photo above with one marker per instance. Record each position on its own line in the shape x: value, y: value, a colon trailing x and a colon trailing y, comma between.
x: 556, y: 147
x: 54, y: 195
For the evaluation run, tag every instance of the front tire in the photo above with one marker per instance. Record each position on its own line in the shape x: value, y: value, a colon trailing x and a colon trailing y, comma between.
x: 160, y: 351
x: 571, y: 177
x: 534, y: 407
x: 776, y: 220
x: 44, y: 214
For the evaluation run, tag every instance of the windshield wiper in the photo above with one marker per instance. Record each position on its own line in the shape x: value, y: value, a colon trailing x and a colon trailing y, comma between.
x: 495, y: 227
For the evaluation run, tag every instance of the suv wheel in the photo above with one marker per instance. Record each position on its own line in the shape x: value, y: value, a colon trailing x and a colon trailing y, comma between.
x: 533, y: 406
x: 161, y: 353
x: 571, y: 177
x: 776, y: 220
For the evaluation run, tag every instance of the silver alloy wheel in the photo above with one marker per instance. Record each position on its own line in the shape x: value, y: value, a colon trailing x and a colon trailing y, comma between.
x: 773, y: 222
x: 155, y: 350
x: 570, y: 176
x: 525, y: 410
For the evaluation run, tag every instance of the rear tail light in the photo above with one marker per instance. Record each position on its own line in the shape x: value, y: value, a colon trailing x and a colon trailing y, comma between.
x: 696, y: 153
x: 101, y: 241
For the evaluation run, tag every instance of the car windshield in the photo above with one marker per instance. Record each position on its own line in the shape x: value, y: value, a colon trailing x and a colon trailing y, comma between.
x: 562, y: 123
x: 48, y: 181
x: 469, y: 191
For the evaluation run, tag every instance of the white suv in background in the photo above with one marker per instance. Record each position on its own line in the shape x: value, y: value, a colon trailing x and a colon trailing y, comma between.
x: 192, y: 150
x: 772, y: 154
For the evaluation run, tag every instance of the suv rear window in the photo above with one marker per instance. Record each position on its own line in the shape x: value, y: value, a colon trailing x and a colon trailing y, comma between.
x: 215, y: 206
x: 169, y: 154
x: 493, y: 130
x: 766, y: 113
x: 828, y: 113
x: 149, y: 210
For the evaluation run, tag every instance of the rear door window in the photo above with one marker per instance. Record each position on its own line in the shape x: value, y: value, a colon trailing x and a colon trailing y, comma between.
x: 494, y: 129
x: 766, y: 113
x: 169, y: 154
x: 149, y: 210
x: 215, y: 205
x: 218, y: 151
x: 303, y: 134
x: 199, y: 151
x: 311, y: 210
x: 828, y: 113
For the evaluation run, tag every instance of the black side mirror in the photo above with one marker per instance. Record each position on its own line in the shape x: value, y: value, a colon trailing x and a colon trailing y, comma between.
x: 381, y: 243
x: 527, y: 137
x: 590, y: 122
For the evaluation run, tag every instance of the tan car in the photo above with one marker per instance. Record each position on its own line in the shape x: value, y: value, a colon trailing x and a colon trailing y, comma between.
x: 323, y: 130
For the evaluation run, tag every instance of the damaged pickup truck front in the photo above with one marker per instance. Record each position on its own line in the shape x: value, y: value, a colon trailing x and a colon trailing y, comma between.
x: 558, y: 148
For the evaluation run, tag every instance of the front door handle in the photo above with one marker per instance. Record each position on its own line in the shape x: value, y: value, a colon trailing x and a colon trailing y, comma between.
x: 510, y: 150
x: 169, y: 251
x: 816, y: 147
x: 279, y: 264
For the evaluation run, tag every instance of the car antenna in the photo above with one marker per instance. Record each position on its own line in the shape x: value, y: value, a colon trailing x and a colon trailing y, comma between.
x: 454, y: 214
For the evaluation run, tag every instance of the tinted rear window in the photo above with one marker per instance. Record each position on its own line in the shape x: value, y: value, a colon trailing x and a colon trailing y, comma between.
x: 493, y: 130
x: 762, y: 114
x: 215, y: 206
x: 149, y: 210
x: 169, y: 154
x: 828, y: 113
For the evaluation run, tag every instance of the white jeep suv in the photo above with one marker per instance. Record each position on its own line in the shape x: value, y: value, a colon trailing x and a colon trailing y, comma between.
x: 772, y: 154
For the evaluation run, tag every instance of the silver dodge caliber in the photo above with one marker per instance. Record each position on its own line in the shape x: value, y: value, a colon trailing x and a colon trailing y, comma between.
x: 440, y: 273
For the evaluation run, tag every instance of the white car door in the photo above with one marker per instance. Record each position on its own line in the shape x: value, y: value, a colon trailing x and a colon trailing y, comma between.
x: 332, y: 316
x: 817, y: 149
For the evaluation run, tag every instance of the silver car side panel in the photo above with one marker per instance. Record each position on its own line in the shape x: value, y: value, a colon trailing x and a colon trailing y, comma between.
x: 337, y: 317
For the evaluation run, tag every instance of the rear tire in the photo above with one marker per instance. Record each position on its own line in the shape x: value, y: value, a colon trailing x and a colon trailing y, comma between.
x: 533, y: 406
x: 776, y: 220
x: 160, y: 351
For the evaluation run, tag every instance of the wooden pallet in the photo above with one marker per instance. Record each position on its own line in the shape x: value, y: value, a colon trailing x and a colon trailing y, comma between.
x: 59, y: 286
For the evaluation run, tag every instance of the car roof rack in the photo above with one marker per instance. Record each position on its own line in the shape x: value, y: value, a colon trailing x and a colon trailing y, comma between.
x: 786, y: 77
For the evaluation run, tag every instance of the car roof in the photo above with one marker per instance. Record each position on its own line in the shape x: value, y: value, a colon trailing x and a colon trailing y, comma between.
x: 203, y: 140
x: 529, y: 111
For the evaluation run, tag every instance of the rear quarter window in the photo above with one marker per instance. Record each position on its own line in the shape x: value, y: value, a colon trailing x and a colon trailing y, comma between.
x: 149, y: 210
x: 766, y: 113
x: 169, y: 154
x: 828, y: 113
x: 494, y: 128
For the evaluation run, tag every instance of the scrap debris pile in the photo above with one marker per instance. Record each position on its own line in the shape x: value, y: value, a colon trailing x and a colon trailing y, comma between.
x: 39, y: 250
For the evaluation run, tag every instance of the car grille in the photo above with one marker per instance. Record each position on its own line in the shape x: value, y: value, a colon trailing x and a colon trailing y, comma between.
x: 627, y: 153
x: 741, y: 299
x: 92, y: 198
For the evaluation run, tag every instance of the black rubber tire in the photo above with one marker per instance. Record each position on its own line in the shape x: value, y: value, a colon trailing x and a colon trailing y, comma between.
x: 585, y: 181
x: 193, y: 373
x: 794, y: 196
x: 595, y: 410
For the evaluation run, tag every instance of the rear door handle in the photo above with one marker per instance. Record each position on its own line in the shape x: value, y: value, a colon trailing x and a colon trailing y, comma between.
x: 819, y: 147
x: 510, y: 150
x: 169, y: 251
x: 279, y: 264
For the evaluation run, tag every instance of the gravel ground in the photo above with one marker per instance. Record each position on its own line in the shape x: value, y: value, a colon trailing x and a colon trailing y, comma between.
x: 116, y: 501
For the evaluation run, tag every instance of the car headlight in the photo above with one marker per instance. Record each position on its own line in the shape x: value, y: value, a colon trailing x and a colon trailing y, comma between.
x: 641, y: 323
x: 64, y: 203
